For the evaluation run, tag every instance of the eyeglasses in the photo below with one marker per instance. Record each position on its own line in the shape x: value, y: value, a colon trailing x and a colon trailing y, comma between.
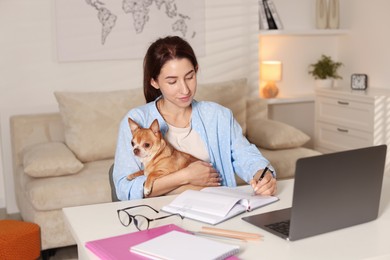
x: 141, y: 222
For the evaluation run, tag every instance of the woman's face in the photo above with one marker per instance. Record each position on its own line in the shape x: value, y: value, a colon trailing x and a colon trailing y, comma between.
x: 177, y: 82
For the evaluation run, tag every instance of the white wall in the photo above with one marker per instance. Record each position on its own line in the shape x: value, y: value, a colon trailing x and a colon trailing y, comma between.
x: 362, y: 50
x: 298, y: 50
x: 29, y: 72
x: 296, y: 53
x: 366, y: 49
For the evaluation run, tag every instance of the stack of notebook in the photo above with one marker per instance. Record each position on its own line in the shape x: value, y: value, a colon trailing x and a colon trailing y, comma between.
x: 165, y: 242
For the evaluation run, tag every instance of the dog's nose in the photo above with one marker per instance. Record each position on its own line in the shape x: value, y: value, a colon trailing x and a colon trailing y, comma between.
x: 136, y: 151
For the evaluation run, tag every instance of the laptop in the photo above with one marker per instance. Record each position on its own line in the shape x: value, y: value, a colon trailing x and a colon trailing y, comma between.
x: 331, y: 192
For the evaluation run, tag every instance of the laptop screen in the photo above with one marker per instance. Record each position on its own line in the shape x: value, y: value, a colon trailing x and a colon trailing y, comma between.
x: 332, y: 191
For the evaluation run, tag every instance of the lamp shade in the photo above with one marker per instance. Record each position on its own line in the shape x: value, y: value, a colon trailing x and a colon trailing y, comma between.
x: 271, y: 70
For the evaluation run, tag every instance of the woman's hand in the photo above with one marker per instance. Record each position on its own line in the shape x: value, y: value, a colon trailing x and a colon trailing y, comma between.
x: 197, y: 175
x: 265, y: 186
x: 201, y: 173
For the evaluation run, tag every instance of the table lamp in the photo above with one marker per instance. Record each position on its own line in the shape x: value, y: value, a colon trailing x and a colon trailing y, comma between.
x: 270, y: 71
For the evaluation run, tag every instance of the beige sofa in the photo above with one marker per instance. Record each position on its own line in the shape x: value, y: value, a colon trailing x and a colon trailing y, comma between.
x: 62, y: 159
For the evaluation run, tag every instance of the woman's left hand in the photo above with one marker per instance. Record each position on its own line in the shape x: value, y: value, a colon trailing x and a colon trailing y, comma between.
x: 265, y: 186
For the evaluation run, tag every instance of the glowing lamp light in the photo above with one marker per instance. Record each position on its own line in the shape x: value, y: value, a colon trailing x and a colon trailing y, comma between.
x: 270, y: 72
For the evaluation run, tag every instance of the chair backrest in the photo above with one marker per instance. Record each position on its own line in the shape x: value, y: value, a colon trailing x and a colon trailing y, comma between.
x: 113, y: 189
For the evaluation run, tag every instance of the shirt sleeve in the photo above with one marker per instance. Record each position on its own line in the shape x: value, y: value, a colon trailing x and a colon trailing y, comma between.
x: 230, y: 151
x: 246, y: 157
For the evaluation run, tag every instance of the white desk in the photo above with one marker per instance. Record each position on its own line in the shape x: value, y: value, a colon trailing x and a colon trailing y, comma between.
x: 365, y: 241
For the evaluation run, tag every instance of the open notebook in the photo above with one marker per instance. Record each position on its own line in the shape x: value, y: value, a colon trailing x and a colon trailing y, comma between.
x: 213, y: 205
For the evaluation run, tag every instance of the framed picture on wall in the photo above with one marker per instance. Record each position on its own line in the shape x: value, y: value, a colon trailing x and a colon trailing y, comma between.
x: 112, y: 29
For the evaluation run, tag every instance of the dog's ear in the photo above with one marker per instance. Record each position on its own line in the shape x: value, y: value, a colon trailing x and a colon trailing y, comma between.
x: 155, y: 127
x: 133, y: 125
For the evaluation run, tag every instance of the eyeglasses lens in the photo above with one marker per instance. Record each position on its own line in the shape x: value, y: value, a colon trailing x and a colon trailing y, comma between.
x: 124, y: 218
x: 141, y: 222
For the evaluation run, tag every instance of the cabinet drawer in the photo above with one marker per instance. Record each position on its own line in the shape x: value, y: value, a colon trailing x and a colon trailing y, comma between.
x: 346, y: 112
x: 339, y: 138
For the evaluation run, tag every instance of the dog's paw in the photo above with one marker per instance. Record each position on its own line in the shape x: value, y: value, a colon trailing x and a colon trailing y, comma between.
x: 146, y: 191
x: 131, y: 177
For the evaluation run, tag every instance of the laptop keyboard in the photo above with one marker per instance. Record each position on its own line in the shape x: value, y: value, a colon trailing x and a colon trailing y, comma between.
x: 282, y: 227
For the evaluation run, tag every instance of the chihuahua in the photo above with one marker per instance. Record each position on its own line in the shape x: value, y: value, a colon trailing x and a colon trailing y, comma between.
x: 158, y: 156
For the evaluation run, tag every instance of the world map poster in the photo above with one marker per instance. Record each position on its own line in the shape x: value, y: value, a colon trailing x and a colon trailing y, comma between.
x: 124, y: 29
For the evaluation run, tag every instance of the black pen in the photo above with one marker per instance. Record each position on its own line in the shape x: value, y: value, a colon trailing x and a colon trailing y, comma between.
x: 263, y: 173
x: 261, y: 177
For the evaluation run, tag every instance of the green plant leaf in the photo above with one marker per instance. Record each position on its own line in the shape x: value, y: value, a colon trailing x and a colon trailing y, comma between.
x: 325, y: 68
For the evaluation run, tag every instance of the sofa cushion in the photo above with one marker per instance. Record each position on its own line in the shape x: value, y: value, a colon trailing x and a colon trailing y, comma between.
x: 89, y: 186
x: 50, y: 159
x: 231, y: 94
x: 274, y: 135
x: 91, y: 120
x: 284, y: 160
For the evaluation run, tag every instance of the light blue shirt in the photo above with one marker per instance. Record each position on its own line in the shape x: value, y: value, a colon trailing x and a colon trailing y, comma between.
x: 230, y: 152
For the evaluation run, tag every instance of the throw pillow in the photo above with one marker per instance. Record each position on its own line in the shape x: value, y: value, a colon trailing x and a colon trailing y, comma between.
x: 49, y: 160
x: 231, y: 94
x: 270, y: 134
x: 91, y: 120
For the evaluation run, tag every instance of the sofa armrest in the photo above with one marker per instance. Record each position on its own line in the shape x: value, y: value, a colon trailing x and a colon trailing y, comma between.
x: 27, y: 130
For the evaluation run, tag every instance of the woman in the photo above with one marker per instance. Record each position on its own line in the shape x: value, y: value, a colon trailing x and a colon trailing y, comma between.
x: 170, y: 68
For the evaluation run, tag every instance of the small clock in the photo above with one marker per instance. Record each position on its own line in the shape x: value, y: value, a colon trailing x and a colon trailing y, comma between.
x: 359, y: 81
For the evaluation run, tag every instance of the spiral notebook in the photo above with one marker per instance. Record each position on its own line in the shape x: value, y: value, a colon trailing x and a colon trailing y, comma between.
x: 176, y: 245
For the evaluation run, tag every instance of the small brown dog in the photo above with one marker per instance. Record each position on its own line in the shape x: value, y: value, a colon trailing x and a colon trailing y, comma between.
x: 158, y: 156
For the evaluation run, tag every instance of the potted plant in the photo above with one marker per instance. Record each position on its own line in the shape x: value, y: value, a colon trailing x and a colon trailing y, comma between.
x: 324, y: 71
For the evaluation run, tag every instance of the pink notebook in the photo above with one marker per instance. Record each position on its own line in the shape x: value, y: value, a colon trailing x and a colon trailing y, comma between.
x: 118, y: 247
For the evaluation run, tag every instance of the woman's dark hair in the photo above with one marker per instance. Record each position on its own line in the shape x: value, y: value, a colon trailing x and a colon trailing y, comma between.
x: 159, y: 52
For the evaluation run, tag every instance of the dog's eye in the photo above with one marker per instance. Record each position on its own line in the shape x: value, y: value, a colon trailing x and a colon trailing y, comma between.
x: 146, y: 145
x: 132, y: 143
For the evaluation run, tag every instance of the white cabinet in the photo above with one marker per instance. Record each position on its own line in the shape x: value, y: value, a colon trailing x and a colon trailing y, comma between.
x: 346, y: 119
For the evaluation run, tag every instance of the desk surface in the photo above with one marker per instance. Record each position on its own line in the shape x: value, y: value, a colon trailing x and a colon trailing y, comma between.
x: 365, y: 241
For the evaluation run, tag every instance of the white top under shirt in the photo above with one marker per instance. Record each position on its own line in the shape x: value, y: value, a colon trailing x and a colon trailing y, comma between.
x: 188, y: 141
